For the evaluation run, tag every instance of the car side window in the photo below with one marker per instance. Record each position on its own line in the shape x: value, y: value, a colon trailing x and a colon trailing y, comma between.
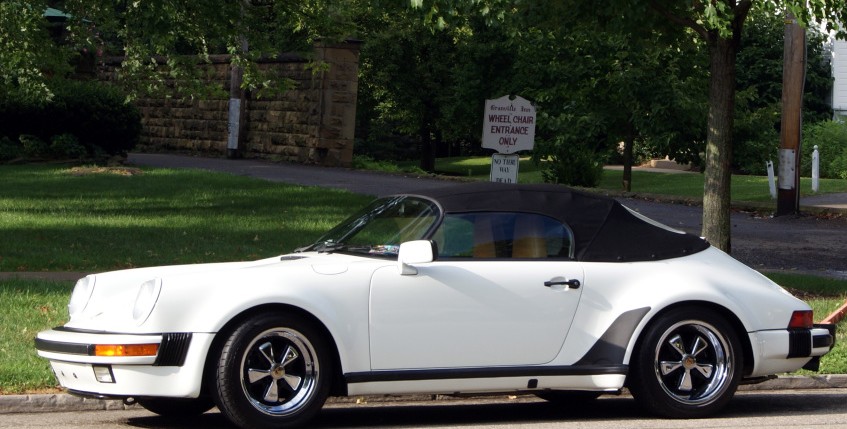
x: 503, y: 235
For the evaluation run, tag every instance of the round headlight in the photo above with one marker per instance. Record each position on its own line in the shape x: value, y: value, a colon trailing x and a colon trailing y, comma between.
x: 81, y: 295
x: 145, y: 300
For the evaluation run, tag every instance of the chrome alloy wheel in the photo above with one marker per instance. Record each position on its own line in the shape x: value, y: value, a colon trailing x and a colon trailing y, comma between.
x: 279, y: 372
x: 693, y: 363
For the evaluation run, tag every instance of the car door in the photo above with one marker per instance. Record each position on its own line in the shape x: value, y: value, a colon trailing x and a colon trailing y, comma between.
x: 503, y: 292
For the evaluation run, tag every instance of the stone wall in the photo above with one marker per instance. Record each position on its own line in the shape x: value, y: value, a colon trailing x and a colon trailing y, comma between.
x: 313, y: 123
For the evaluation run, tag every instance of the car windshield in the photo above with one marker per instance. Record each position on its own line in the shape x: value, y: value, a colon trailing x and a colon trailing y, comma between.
x: 379, y: 228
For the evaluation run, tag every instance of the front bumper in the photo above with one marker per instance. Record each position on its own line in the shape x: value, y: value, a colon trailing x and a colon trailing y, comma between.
x: 174, y: 371
x: 780, y: 351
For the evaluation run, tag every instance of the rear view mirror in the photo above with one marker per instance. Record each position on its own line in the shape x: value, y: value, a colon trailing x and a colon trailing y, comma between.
x: 415, y: 252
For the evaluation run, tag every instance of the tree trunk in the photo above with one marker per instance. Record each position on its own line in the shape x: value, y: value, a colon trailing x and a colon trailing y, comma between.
x: 428, y: 148
x: 628, y: 144
x: 716, y: 196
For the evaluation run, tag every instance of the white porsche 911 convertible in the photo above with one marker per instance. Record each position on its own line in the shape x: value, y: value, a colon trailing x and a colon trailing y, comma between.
x: 468, y: 289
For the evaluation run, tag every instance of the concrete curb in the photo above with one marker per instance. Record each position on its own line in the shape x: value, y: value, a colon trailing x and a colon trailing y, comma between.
x: 56, y: 402
x: 800, y: 382
x: 63, y: 402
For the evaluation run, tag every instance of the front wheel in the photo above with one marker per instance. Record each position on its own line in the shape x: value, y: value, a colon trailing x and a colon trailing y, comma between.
x: 273, y: 371
x: 687, y: 365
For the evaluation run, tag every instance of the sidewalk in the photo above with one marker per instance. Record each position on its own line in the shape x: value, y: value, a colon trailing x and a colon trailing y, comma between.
x: 365, y: 182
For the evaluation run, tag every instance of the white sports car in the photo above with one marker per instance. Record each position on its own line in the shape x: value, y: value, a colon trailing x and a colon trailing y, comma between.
x: 467, y: 289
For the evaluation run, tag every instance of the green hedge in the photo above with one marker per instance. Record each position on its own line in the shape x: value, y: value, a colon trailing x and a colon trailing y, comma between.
x: 96, y: 114
x: 831, y: 139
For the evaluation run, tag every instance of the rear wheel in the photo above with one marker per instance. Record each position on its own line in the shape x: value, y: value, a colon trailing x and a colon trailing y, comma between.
x: 273, y: 371
x: 687, y: 365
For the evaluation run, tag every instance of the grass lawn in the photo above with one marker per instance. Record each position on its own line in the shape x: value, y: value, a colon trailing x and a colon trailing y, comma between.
x: 27, y: 307
x: 689, y: 185
x: 61, y: 219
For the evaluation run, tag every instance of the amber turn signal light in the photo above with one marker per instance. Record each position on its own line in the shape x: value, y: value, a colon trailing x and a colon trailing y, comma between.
x: 126, y: 349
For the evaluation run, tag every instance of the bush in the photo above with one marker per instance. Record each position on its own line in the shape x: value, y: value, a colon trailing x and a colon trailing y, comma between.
x: 839, y: 164
x: 97, y: 114
x: 831, y: 139
x: 574, y: 165
x: 67, y: 146
x: 9, y: 149
x: 34, y: 147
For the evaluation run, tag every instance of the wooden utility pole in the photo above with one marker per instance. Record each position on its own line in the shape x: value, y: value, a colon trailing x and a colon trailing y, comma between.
x: 793, y: 80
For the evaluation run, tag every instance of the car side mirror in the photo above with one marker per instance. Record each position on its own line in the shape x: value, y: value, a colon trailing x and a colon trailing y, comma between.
x: 415, y: 252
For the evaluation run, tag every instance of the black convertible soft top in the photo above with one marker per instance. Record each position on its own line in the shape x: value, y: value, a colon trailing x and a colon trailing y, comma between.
x: 604, y: 230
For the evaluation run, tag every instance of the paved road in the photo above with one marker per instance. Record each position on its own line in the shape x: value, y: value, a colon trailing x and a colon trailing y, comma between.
x: 807, y: 243
x: 363, y: 182
x: 782, y: 409
x: 359, y: 181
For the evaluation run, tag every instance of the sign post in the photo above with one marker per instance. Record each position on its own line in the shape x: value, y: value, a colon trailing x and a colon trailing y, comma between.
x: 508, y: 127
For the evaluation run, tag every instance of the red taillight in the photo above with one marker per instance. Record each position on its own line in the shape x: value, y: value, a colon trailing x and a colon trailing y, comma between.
x: 801, y: 320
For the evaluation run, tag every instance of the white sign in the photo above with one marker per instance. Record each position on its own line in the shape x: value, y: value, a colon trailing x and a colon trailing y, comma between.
x: 787, y: 159
x: 233, y: 120
x: 508, y: 125
x: 504, y: 168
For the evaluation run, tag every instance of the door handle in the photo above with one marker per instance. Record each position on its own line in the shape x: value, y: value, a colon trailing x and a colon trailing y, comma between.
x: 573, y: 283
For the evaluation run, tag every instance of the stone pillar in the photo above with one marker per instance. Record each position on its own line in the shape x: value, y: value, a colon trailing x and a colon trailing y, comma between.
x: 337, y: 105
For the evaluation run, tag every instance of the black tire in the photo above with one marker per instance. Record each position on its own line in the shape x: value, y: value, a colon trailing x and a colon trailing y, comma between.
x: 273, y: 371
x: 687, y: 365
x: 177, y: 408
x: 568, y: 397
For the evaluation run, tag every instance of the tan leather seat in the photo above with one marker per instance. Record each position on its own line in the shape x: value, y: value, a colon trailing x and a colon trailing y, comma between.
x: 529, y: 239
x: 483, y: 239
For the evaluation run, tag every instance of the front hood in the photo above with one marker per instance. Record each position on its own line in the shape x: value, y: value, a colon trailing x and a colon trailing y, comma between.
x: 114, y: 294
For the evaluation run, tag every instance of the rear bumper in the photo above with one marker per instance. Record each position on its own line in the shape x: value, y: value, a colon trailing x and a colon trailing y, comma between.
x: 819, y: 341
x: 787, y: 350
x: 810, y: 342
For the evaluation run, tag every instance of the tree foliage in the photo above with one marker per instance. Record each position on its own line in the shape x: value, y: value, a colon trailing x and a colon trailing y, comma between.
x: 26, y: 51
x: 717, y: 24
x: 759, y: 89
x: 178, y: 34
x: 407, y: 69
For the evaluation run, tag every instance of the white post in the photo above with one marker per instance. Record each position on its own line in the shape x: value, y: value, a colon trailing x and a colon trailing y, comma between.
x: 771, y: 180
x: 816, y: 168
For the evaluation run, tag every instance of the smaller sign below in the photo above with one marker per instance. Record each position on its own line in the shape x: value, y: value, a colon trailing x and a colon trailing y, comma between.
x: 504, y: 168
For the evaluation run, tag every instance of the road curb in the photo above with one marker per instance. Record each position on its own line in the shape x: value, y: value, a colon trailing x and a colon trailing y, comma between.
x: 800, y: 382
x: 63, y: 402
x: 56, y: 402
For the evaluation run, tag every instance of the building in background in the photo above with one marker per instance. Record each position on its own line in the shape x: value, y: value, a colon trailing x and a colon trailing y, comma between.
x: 839, y: 74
